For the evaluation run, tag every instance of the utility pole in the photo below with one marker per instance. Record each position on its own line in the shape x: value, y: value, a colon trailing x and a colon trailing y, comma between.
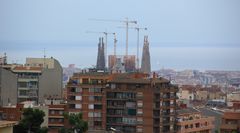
x: 122, y: 21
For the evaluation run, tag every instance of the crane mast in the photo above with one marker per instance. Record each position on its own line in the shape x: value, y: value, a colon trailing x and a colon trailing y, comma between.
x: 122, y: 21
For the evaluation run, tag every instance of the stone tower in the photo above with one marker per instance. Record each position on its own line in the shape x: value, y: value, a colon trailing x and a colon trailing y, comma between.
x: 100, y: 57
x: 146, y: 64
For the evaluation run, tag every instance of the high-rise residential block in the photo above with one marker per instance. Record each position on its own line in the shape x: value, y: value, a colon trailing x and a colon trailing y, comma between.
x: 129, y: 102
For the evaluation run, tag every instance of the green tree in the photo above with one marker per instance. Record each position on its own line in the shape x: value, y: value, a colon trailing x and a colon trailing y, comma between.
x: 31, y: 122
x: 77, y: 123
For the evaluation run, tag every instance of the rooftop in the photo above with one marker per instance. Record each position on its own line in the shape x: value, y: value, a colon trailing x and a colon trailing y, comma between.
x: 231, y: 114
x: 27, y: 68
x: 187, y: 111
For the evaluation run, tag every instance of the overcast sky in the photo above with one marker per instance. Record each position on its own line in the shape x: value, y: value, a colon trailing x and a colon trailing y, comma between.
x: 183, y: 34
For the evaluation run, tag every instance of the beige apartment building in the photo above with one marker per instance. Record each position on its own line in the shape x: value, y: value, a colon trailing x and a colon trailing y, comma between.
x: 36, y: 80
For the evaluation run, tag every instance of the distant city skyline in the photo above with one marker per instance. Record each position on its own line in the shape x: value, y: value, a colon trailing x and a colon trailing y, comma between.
x: 201, y: 34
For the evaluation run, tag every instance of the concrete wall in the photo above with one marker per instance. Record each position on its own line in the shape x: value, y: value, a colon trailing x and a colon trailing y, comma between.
x: 49, y: 62
x: 233, y: 96
x: 50, y: 82
x: 185, y: 94
x: 6, y: 130
x: 8, y: 87
x: 45, y: 109
x: 201, y: 95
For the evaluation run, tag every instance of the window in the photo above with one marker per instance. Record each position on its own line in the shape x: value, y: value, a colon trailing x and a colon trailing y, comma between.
x: 191, y: 126
x: 131, y: 111
x: 91, y: 89
x: 130, y: 104
x: 78, y: 89
x: 52, y: 112
x: 78, y: 98
x: 97, y: 114
x: 140, y: 120
x: 91, y: 98
x: 140, y: 103
x: 71, y: 106
x: 129, y: 120
x: 139, y: 111
x: 98, y: 98
x: 139, y: 94
x: 97, y: 89
x: 60, y: 120
x: 90, y: 106
x: 97, y: 106
x: 60, y: 112
x: 90, y: 114
x: 22, y: 84
x: 85, y: 81
x: 78, y: 106
x: 139, y: 129
x: 113, y: 86
x: 51, y: 120
x: 97, y: 123
x: 94, y: 81
x: 23, y: 92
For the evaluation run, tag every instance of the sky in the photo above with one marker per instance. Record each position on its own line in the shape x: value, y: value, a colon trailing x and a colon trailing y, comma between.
x: 183, y: 34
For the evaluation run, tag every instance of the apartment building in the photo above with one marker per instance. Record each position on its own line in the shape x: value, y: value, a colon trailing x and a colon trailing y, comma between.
x: 85, y: 93
x: 129, y: 102
x: 8, y: 87
x: 36, y: 80
x: 53, y: 109
x: 11, y: 113
x: 190, y: 120
x: 136, y: 103
x: 230, y: 121
x: 56, y: 118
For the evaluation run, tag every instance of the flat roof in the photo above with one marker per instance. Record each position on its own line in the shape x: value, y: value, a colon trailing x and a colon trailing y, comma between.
x: 187, y: 111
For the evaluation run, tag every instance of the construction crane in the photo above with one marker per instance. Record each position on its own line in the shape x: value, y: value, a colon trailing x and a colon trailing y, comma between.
x: 137, y: 29
x: 115, y: 44
x: 122, y: 21
x: 106, y: 34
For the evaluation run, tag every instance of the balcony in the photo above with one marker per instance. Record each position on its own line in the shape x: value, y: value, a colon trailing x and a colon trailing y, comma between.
x: 190, y: 130
x: 27, y: 78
